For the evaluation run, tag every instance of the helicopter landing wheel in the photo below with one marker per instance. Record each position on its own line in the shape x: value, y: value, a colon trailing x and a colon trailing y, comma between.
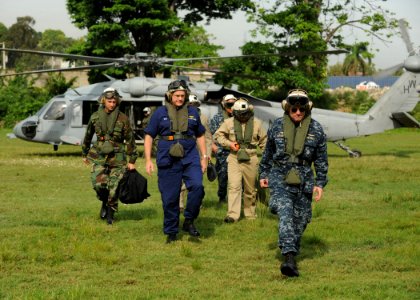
x: 355, y: 154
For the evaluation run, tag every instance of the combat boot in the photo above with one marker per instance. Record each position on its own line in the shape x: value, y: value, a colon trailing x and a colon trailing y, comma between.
x: 103, y: 210
x: 171, y: 238
x: 102, y: 195
x: 289, y: 267
x: 110, y: 215
x: 189, y: 227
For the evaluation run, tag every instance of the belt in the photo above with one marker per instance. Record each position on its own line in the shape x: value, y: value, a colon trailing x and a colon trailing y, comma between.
x: 300, y: 162
x: 103, y: 138
x: 177, y: 136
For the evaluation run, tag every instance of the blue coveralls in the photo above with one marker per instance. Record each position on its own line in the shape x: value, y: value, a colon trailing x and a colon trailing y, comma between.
x: 221, y: 157
x: 292, y: 203
x: 172, y: 171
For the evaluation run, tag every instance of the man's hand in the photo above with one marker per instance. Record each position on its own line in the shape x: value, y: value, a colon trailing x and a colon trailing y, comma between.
x: 234, y: 146
x: 264, y: 183
x: 317, y: 192
x: 149, y: 167
x: 204, y: 162
x: 214, y: 148
x: 131, y: 166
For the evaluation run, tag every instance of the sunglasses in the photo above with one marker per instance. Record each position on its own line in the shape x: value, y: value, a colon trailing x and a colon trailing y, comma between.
x: 302, y: 101
x: 229, y: 104
x: 295, y: 109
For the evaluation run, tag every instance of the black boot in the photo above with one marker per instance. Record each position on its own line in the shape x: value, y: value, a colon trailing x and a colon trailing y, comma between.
x: 103, y: 211
x: 110, y: 215
x: 189, y: 227
x: 289, y: 267
x: 102, y: 195
x: 171, y: 238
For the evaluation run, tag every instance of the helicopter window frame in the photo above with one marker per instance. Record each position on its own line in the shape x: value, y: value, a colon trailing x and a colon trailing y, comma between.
x: 56, y: 112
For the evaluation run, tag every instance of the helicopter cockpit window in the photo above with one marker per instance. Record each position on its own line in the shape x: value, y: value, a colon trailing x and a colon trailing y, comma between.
x: 56, y: 111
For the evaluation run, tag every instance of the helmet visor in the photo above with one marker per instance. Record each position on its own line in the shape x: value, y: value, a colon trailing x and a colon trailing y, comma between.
x: 178, y: 84
x: 297, y: 100
x: 109, y: 95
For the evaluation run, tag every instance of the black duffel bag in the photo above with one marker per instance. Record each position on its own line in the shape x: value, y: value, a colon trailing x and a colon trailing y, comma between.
x: 132, y: 188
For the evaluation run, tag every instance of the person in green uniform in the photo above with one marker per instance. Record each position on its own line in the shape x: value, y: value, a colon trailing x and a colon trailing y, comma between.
x: 108, y: 155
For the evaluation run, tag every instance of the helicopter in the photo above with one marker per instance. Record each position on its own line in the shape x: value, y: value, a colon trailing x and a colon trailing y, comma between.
x: 64, y: 118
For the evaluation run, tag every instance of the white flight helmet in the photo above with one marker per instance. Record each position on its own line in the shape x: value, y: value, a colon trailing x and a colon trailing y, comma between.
x: 193, y: 100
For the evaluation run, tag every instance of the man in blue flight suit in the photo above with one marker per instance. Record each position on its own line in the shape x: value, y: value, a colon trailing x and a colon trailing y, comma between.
x: 221, y: 154
x: 294, y: 142
x: 179, y: 129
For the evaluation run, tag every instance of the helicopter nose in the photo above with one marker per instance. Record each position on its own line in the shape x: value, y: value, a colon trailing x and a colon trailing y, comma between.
x: 25, y: 129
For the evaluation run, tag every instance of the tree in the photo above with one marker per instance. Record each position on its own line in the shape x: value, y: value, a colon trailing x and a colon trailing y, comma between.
x: 56, y: 41
x: 300, y: 27
x: 354, y: 62
x: 19, y: 98
x: 336, y: 70
x: 3, y: 32
x: 21, y: 35
x: 117, y: 27
x: 195, y: 43
x: 56, y: 84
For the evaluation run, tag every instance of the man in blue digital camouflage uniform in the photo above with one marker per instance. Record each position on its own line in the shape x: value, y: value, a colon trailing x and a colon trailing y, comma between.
x: 180, y: 131
x: 115, y: 140
x: 221, y: 153
x: 294, y: 142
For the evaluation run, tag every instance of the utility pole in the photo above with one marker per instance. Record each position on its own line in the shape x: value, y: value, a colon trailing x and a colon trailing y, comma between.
x: 4, y: 60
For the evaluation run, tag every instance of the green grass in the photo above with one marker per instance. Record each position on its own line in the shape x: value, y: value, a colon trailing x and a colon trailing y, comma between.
x: 363, y: 242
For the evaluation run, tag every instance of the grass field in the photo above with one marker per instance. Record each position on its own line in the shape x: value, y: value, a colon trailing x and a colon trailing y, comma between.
x: 363, y: 242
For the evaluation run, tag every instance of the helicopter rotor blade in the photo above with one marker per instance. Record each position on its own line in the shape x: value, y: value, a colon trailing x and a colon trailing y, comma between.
x: 102, y: 66
x: 287, y: 53
x: 217, y: 71
x: 405, y: 36
x: 389, y: 71
x: 145, y: 59
x: 64, y: 55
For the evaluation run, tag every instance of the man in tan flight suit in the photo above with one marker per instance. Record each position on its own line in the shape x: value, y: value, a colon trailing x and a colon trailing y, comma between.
x: 241, y: 133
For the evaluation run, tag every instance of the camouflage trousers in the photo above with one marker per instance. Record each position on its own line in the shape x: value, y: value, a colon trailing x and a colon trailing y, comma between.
x: 222, y: 176
x: 295, y: 212
x: 105, y: 182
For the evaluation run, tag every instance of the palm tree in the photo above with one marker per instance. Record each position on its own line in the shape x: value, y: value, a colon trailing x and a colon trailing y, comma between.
x: 354, y: 63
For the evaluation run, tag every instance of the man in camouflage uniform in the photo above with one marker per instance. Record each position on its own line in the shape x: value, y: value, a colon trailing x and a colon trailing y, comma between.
x: 108, y: 155
x: 242, y: 134
x: 221, y: 154
x: 294, y: 142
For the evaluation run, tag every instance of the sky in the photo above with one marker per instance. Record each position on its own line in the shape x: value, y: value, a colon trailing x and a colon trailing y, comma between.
x: 52, y: 14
